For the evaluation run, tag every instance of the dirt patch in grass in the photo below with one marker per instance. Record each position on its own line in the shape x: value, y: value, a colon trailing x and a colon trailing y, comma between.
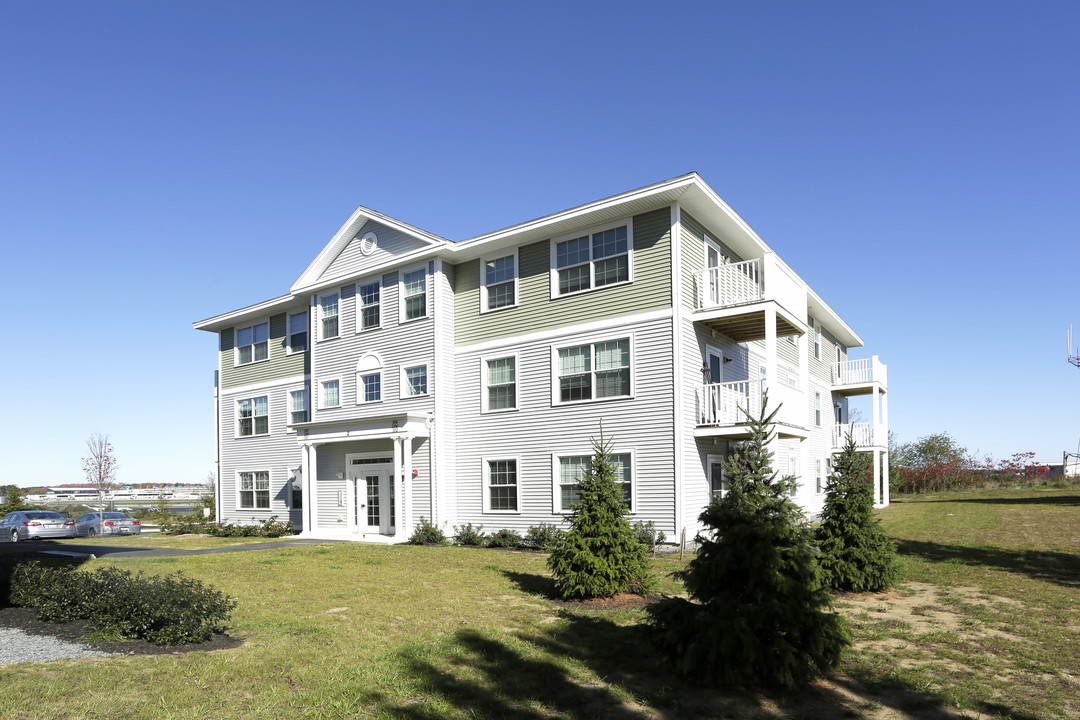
x: 622, y: 601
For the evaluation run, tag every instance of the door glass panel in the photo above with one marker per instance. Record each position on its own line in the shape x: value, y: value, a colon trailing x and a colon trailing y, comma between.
x: 715, y: 363
x: 372, y: 500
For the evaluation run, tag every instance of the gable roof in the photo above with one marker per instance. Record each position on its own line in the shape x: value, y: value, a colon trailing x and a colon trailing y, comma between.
x: 311, y: 277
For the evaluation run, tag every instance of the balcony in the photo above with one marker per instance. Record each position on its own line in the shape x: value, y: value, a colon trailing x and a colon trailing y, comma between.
x: 867, y: 436
x: 733, y: 298
x: 859, y: 377
x: 722, y: 409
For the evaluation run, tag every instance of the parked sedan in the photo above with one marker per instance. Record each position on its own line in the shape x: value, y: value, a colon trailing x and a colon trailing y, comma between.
x: 36, y: 525
x: 107, y: 523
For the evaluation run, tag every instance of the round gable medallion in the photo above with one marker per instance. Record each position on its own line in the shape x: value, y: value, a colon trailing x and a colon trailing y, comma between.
x: 368, y: 243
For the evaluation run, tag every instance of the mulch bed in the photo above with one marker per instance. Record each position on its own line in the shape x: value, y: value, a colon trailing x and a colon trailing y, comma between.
x: 622, y: 601
x: 75, y: 632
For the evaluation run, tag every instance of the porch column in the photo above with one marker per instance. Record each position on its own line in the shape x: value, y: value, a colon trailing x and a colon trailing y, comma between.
x: 877, y: 476
x: 885, y: 475
x: 407, y: 494
x: 876, y: 429
x: 310, y: 488
x: 399, y: 493
x: 770, y: 372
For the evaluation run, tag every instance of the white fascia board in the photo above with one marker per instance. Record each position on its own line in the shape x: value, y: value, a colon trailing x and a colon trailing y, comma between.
x: 228, y: 319
x: 831, y: 321
x: 474, y: 247
x: 344, y: 236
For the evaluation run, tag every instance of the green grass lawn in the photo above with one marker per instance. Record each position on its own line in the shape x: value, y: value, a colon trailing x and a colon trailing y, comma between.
x: 987, y: 621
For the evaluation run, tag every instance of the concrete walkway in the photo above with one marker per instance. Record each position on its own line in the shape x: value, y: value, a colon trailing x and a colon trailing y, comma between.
x: 48, y: 549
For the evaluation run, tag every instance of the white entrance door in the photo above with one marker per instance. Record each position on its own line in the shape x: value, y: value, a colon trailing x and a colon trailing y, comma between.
x: 714, y: 258
x: 370, y: 496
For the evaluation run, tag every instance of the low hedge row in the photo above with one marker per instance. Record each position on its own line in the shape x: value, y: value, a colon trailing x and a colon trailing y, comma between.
x: 271, y: 528
x: 165, y: 610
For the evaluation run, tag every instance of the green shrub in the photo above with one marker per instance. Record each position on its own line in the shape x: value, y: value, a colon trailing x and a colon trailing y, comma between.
x: 270, y: 528
x: 469, y: 535
x: 165, y: 610
x: 648, y: 535
x: 542, y: 537
x: 426, y: 533
x: 600, y: 555
x: 504, y: 539
x: 758, y: 613
x: 856, y: 554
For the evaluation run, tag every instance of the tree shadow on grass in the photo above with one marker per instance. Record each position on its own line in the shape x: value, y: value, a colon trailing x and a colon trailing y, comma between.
x: 589, y: 666
x: 533, y: 584
x: 1056, y: 567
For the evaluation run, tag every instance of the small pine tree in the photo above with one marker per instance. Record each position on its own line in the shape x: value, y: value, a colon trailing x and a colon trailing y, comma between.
x: 600, y: 555
x: 759, y: 610
x: 856, y: 554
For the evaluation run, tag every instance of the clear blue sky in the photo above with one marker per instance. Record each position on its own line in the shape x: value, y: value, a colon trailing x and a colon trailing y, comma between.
x: 163, y: 162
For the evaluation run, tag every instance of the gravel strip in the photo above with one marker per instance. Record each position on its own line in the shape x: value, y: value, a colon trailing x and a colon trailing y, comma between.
x: 17, y: 646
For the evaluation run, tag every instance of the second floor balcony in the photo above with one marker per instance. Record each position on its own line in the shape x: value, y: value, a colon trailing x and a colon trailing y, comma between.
x: 866, y: 435
x: 722, y: 409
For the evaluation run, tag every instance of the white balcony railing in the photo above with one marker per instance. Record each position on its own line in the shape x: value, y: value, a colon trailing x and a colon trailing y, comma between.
x: 730, y: 284
x: 863, y: 434
x: 859, y: 372
x: 725, y: 403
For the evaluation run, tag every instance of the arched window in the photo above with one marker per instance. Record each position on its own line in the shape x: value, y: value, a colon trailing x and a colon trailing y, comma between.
x: 368, y: 379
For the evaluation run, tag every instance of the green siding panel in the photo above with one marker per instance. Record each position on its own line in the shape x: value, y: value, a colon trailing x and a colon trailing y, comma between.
x: 537, y: 310
x: 277, y: 367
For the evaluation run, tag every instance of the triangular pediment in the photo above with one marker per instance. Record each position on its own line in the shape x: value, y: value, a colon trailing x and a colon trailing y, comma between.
x: 367, y: 242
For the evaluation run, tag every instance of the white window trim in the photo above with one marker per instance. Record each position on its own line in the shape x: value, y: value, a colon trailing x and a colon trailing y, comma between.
x: 817, y: 340
x: 484, y: 286
x: 404, y: 389
x: 401, y: 293
x: 817, y: 409
x: 236, y: 347
x: 553, y: 249
x: 269, y: 488
x: 369, y: 364
x: 319, y: 386
x: 318, y: 307
x: 555, y: 389
x: 486, y: 475
x: 289, y: 334
x: 556, y: 489
x: 236, y: 418
x: 484, y: 409
x: 819, y: 478
x: 359, y: 308
x: 288, y: 404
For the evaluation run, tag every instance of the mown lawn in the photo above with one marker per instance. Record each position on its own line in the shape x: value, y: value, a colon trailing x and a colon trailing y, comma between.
x: 986, y: 622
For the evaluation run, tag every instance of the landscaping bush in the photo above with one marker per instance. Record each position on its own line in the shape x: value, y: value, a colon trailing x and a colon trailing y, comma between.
x: 165, y: 610
x: 542, y: 537
x: 504, y: 539
x: 856, y: 554
x: 269, y: 528
x: 426, y: 533
x: 648, y: 535
x: 469, y: 535
x: 758, y: 609
x: 600, y: 555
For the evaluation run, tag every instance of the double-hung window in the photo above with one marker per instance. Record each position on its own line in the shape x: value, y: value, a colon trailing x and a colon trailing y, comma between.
x: 330, y: 394
x: 415, y: 381
x: 501, y: 485
x: 328, y: 316
x: 817, y: 340
x: 499, y: 288
x: 570, y: 469
x: 253, y: 416
x: 252, y: 343
x: 414, y: 294
x: 367, y: 304
x: 817, y: 409
x: 595, y: 371
x: 592, y: 261
x: 369, y: 387
x: 500, y: 383
x: 298, y: 406
x: 255, y: 490
x: 298, y: 331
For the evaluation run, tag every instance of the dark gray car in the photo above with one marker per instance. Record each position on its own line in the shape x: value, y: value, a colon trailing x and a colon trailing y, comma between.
x: 107, y: 523
x: 36, y: 525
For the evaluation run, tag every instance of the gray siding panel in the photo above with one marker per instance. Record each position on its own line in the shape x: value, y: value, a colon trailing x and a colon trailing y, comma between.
x: 539, y: 429
x: 391, y: 245
x: 693, y: 254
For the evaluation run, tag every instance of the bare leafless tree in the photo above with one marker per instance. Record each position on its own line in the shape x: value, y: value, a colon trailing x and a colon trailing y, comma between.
x: 100, y: 468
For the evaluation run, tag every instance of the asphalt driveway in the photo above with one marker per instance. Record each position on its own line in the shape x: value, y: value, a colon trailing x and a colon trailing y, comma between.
x: 50, y: 549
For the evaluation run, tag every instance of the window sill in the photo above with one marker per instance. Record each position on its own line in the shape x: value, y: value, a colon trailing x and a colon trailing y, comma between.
x: 253, y: 362
x: 562, y: 403
x: 500, y: 512
x: 328, y: 339
x: 403, y: 321
x: 485, y: 311
x: 499, y: 411
x: 249, y: 437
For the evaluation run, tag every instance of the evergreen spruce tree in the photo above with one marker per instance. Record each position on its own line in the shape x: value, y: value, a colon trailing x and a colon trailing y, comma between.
x: 759, y: 611
x: 600, y: 555
x: 856, y: 554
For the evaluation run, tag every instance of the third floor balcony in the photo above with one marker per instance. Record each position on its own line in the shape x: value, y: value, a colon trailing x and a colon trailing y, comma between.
x: 733, y: 298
